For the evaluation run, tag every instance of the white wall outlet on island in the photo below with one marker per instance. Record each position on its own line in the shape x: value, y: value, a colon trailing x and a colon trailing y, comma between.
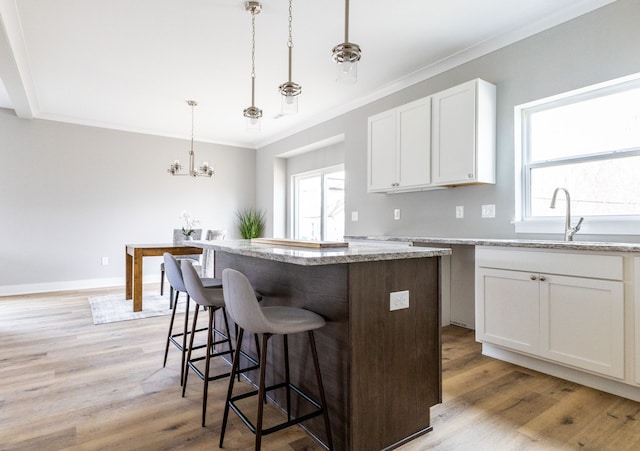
x: 354, y: 216
x: 489, y: 211
x: 459, y: 212
x: 105, y: 261
x: 398, y: 300
x: 396, y: 214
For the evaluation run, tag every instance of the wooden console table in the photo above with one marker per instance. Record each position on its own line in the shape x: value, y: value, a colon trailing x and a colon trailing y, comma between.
x: 134, y: 254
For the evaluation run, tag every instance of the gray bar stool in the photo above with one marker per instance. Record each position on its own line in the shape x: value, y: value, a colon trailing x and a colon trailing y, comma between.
x: 212, y: 300
x: 244, y: 309
x: 174, y: 275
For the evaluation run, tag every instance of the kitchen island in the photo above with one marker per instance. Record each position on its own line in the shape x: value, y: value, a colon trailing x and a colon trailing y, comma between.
x: 381, y: 367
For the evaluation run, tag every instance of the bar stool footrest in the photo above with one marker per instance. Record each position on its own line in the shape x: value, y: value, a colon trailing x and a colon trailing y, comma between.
x: 282, y: 425
x: 200, y: 374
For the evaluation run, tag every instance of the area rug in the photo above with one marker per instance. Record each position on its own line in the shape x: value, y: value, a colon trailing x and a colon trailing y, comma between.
x: 114, y: 307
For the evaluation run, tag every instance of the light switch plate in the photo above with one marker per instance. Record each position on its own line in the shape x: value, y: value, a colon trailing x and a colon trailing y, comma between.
x: 459, y: 212
x: 354, y: 216
x: 398, y: 300
x: 489, y: 211
x: 396, y: 214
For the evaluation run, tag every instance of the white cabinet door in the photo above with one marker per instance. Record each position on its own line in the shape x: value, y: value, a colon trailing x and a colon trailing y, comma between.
x: 414, y: 143
x: 399, y: 148
x: 382, y: 150
x: 507, y: 309
x: 464, y: 134
x: 582, y: 323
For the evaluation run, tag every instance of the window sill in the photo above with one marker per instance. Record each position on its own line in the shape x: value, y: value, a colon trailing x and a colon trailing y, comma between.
x: 620, y: 225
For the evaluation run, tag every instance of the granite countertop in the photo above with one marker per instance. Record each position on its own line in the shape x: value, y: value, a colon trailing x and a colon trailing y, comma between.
x: 540, y: 244
x: 356, y: 252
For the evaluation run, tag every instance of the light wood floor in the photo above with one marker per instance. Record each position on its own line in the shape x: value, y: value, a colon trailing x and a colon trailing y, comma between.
x: 67, y: 384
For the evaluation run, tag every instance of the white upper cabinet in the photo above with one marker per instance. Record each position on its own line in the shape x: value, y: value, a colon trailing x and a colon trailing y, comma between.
x: 444, y: 140
x: 382, y: 171
x: 399, y: 148
x: 464, y: 134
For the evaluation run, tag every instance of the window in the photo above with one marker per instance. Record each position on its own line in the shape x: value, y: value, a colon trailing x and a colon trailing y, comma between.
x: 587, y: 141
x: 318, y: 212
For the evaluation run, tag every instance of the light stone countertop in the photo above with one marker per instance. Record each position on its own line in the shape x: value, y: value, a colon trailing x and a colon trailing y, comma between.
x: 355, y: 253
x: 540, y: 244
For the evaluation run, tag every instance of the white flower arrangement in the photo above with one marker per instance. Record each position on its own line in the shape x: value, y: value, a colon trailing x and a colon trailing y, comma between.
x: 189, y: 223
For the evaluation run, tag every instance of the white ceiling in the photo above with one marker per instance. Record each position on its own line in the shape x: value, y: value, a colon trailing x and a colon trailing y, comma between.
x: 131, y: 65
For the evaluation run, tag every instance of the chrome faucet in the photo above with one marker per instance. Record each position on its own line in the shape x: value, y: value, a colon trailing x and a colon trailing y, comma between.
x: 568, y: 230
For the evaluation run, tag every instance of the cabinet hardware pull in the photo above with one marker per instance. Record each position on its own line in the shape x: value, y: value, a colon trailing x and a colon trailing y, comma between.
x: 533, y: 277
x: 543, y: 278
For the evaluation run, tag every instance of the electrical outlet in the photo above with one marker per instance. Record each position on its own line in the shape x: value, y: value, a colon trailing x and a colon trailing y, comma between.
x: 105, y: 261
x: 398, y: 300
x: 489, y: 211
x: 459, y: 212
x: 396, y: 214
x: 354, y: 216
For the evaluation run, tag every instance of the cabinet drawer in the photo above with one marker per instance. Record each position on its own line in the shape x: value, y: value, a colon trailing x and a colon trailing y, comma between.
x: 548, y: 262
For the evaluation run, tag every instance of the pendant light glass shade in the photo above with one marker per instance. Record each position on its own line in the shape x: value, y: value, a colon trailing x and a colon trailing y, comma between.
x: 289, y: 104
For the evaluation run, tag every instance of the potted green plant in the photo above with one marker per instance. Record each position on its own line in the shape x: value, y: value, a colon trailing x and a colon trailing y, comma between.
x: 189, y: 225
x: 250, y: 223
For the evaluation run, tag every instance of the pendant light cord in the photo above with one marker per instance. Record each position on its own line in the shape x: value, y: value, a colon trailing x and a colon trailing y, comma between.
x: 253, y: 57
x: 290, y: 40
x: 346, y: 21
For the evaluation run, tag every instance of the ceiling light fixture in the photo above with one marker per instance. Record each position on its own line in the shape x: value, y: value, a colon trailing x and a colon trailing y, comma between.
x: 203, y: 171
x: 347, y: 54
x: 253, y: 114
x: 290, y: 90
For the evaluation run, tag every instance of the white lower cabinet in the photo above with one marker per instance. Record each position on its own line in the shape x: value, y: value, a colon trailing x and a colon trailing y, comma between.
x: 557, y: 306
x: 509, y: 309
x: 582, y: 323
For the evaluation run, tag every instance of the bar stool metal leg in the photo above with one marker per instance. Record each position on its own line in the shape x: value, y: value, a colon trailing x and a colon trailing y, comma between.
x: 184, y: 340
x: 323, y: 399
x: 173, y: 315
x: 234, y: 370
x: 261, y: 390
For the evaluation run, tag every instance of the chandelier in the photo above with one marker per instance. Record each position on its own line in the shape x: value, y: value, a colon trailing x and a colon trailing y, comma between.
x: 203, y: 171
x: 347, y: 54
x: 290, y: 90
x: 253, y: 114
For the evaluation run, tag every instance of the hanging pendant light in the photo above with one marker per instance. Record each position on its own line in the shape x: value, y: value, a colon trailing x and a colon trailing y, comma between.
x: 203, y: 171
x: 347, y: 54
x: 253, y: 114
x: 290, y: 90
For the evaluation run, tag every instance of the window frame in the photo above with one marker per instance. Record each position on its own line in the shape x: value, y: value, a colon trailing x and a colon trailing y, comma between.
x: 322, y: 173
x: 602, y: 224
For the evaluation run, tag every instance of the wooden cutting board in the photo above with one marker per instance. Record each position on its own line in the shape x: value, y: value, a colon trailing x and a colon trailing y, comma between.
x: 300, y: 243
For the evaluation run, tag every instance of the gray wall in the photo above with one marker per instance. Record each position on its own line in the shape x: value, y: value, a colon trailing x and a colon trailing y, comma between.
x: 71, y: 194
x: 592, y: 48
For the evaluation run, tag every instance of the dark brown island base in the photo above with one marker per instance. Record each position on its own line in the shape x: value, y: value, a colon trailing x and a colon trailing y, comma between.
x: 381, y: 367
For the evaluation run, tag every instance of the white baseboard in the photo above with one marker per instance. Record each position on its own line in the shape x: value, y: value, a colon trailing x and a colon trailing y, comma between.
x: 13, y: 290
